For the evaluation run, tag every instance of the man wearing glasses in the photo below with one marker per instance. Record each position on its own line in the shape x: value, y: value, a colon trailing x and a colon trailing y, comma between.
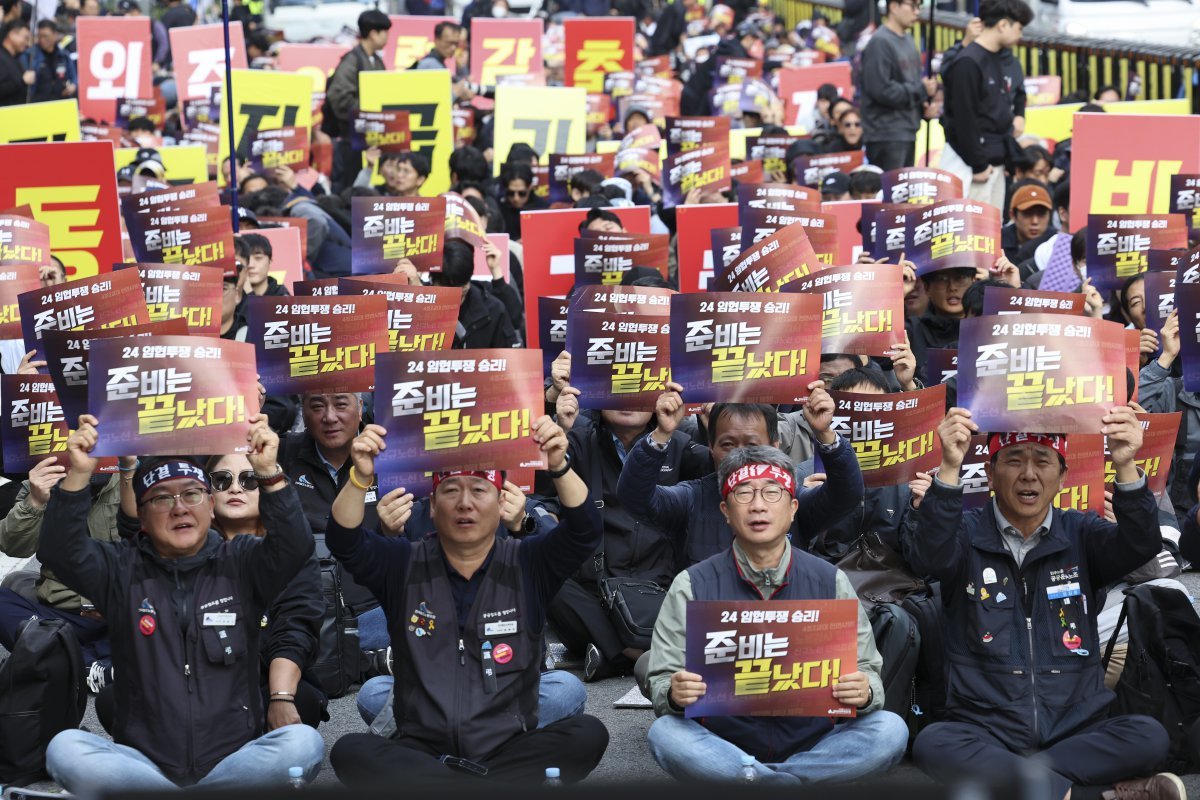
x: 758, y: 487
x: 183, y: 608
x: 938, y: 326
x: 895, y: 96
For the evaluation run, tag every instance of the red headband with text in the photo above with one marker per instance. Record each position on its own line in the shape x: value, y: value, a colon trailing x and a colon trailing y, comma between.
x: 492, y: 476
x: 752, y: 472
x: 1055, y: 441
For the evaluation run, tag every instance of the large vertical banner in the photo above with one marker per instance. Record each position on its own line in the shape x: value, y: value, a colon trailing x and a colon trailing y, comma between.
x: 425, y: 95
x: 695, y: 224
x: 72, y: 188
x: 503, y: 47
x: 199, y: 55
x: 596, y: 47
x: 114, y: 64
x: 548, y: 119
x: 266, y: 100
x: 1124, y: 164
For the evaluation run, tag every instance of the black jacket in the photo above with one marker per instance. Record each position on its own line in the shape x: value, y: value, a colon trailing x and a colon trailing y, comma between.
x: 483, y: 322
x: 672, y: 24
x: 930, y: 330
x: 187, y: 691
x: 1022, y: 652
x: 13, y: 90
x: 633, y: 544
x: 978, y: 114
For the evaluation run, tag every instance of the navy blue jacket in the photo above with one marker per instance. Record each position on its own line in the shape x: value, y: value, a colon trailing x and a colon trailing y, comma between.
x: 1014, y: 664
x: 691, y: 510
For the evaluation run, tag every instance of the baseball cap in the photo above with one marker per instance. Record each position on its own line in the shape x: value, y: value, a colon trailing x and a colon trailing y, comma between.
x: 1030, y: 196
x: 245, y: 216
x: 125, y: 174
x: 125, y: 6
x: 835, y: 183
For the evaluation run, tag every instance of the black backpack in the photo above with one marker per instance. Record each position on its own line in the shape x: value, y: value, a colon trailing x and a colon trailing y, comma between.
x: 337, y: 666
x: 42, y: 693
x: 899, y: 644
x: 1161, y: 677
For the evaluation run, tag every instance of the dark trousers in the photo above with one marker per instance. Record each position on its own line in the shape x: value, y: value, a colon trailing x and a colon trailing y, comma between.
x: 1098, y: 756
x: 575, y: 745
x: 311, y: 705
x: 347, y: 162
x: 91, y: 633
x: 891, y: 155
x: 580, y: 618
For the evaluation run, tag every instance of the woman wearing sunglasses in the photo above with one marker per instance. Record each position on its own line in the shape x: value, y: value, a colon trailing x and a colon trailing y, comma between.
x: 517, y: 180
x: 294, y: 620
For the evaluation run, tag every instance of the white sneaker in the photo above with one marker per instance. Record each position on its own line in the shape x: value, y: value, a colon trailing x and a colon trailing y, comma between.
x: 99, y: 676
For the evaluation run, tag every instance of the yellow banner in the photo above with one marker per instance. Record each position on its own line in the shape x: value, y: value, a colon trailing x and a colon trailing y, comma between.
x: 548, y: 119
x: 56, y: 121
x: 185, y: 163
x: 265, y: 100
x: 738, y: 136
x: 426, y: 96
x: 1055, y: 122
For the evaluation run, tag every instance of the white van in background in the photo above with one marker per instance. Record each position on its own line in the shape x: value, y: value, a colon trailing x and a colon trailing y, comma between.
x: 1161, y: 22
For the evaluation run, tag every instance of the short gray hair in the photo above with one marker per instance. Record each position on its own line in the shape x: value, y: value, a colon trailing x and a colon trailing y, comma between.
x: 755, y: 454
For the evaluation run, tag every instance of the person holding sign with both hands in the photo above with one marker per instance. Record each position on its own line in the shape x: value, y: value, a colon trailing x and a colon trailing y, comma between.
x: 1022, y: 583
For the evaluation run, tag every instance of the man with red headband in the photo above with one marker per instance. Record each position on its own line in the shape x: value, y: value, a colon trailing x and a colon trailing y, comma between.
x: 758, y: 488
x: 466, y: 612
x: 1022, y: 583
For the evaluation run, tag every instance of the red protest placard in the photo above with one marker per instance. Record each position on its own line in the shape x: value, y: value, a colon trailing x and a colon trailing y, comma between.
x: 999, y: 300
x: 322, y: 345
x: 67, y: 356
x: 595, y: 46
x: 1183, y: 199
x: 105, y: 301
x: 694, y: 226
x: 198, y: 52
x: 631, y: 159
x: 1040, y: 373
x: 705, y: 169
x: 599, y: 112
x: 1159, y: 432
x: 279, y: 147
x: 465, y: 131
x: 387, y: 229
x: 1043, y: 90
x: 811, y: 170
x: 1160, y: 298
x: 318, y: 61
x: 15, y: 279
x: 618, y: 361
x: 941, y: 364
x: 172, y: 395
x: 195, y: 233
x: 33, y: 425
x: 771, y: 264
x: 482, y: 271
x: 798, y: 89
x: 72, y: 187
x: 463, y: 222
x: 23, y: 241
x: 893, y: 435
x: 549, y: 240
x: 729, y: 347
x: 920, y: 186
x: 773, y: 658
x: 1118, y: 244
x: 1083, y: 483
x: 320, y: 287
x: 956, y: 233
x: 1122, y: 164
x: 748, y: 171
x: 736, y: 70
x: 623, y: 300
x: 114, y: 63
x: 410, y: 39
x: 552, y: 328
x: 390, y: 131
x: 564, y: 166
x: 502, y: 47
x: 688, y: 133
x: 777, y: 197
x: 726, y: 246
x: 190, y: 293
x: 287, y: 256
x: 863, y: 307
x: 468, y: 409
x: 420, y: 318
x: 771, y: 150
x: 603, y: 261
x: 849, y: 216
x: 759, y: 223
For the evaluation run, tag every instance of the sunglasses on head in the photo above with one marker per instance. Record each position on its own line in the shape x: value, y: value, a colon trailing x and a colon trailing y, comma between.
x: 222, y: 479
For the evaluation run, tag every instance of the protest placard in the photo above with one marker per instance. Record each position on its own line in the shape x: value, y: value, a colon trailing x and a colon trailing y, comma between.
x: 595, y: 46
x: 952, y: 234
x: 463, y: 222
x: 172, y: 395
x: 1004, y: 300
x: 618, y: 361
x: 728, y: 347
x: 114, y: 63
x: 893, y: 435
x: 777, y: 197
x: 322, y: 345
x: 696, y: 258
x: 920, y: 186
x: 191, y: 233
x: 778, y: 658
x: 33, y: 425
x: 1159, y: 298
x: 810, y: 170
x: 387, y: 130
x: 111, y: 300
x: 552, y: 328
x: 601, y: 260
x: 863, y: 307
x: 15, y: 280
x: 420, y: 318
x: 705, y: 168
x: 23, y: 241
x: 821, y: 229
x: 411, y: 39
x: 684, y: 134
x: 68, y: 353
x: 501, y: 48
x: 564, y: 166
x: 1117, y: 244
x: 941, y: 364
x: 1083, y: 483
x: 425, y: 95
x: 771, y: 264
x: 471, y: 409
x: 190, y: 293
x: 550, y: 119
x: 1041, y: 373
x: 198, y: 54
x: 647, y: 300
x: 278, y: 147
x: 385, y: 230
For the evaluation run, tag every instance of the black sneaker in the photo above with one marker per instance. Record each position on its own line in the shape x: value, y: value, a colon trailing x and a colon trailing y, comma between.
x: 99, y: 675
x: 377, y: 662
x: 592, y: 663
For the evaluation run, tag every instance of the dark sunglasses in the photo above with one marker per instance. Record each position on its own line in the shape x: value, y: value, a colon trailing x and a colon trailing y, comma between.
x: 517, y: 193
x: 222, y: 479
x: 851, y: 124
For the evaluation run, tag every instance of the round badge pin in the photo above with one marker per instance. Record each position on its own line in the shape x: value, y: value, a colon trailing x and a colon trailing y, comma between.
x: 502, y: 654
x: 147, y: 625
x: 987, y: 637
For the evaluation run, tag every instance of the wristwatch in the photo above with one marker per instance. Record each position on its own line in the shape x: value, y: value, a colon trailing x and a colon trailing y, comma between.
x: 271, y: 480
x: 566, y: 467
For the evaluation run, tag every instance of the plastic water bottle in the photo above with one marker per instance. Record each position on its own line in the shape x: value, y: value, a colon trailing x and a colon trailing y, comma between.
x: 748, y: 774
x: 296, y: 777
x: 552, y: 777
